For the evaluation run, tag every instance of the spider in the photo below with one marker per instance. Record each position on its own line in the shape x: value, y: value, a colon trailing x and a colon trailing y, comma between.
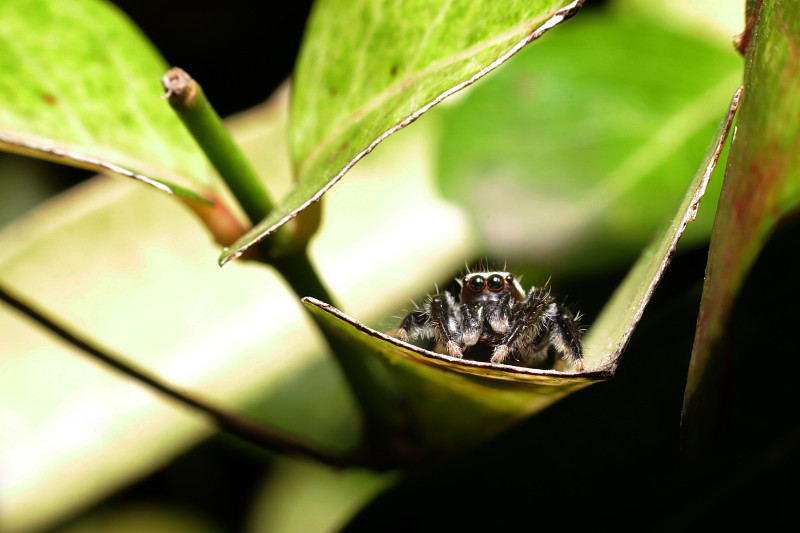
x: 492, y: 319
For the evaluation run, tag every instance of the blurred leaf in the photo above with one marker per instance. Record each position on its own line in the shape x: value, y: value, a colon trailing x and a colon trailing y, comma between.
x: 73, y: 431
x: 762, y: 185
x: 80, y: 85
x: 611, y: 331
x: 294, y: 488
x: 455, y: 404
x: 573, y: 154
x: 142, y: 517
x: 368, y: 69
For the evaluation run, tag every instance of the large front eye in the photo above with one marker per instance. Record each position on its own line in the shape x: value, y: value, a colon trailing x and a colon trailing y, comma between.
x: 495, y: 282
x: 477, y: 283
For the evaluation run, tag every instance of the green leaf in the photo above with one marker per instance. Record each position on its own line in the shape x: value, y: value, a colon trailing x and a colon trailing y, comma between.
x: 455, y: 404
x: 281, y: 504
x: 80, y: 85
x: 573, y: 154
x: 762, y: 185
x: 368, y: 69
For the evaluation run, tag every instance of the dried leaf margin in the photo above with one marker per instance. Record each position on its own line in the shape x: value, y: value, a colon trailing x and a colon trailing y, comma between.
x: 448, y: 363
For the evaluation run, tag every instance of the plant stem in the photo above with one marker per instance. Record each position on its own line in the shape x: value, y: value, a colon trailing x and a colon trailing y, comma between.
x: 251, y: 431
x: 190, y: 103
x: 286, y: 250
x: 379, y: 405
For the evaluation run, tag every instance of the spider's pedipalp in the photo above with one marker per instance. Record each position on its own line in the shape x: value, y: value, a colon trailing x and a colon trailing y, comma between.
x: 471, y: 324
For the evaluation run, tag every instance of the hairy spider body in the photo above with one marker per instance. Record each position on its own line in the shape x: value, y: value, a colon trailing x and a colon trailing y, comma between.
x: 491, y: 318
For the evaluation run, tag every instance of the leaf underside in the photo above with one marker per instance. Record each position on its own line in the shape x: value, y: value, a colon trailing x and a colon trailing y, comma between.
x: 449, y: 397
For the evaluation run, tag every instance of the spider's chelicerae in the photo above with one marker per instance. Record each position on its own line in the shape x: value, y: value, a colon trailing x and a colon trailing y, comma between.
x: 491, y: 318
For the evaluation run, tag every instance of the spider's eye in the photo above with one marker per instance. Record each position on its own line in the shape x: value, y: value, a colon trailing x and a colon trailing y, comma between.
x: 509, y: 279
x: 495, y: 282
x: 476, y: 283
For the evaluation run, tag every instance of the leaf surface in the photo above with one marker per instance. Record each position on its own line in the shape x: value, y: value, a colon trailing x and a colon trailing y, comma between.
x: 369, y: 68
x: 456, y: 404
x: 80, y: 85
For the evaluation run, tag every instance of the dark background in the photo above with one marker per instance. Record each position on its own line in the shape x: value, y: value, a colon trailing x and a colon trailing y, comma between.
x: 238, y: 50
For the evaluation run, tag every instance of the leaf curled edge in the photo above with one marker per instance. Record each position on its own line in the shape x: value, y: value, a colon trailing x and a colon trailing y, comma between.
x: 609, y: 335
x: 454, y: 364
x: 607, y: 338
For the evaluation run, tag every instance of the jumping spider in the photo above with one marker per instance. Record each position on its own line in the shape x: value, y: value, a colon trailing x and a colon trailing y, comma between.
x: 492, y: 319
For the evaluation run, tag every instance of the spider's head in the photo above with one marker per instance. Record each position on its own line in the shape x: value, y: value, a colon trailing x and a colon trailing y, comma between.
x: 485, y: 287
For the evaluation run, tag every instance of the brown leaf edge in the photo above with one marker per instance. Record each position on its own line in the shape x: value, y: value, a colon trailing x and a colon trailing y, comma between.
x: 208, y: 207
x: 455, y: 364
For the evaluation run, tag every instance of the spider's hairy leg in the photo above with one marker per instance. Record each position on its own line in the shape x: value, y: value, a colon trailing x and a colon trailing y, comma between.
x: 525, y: 325
x: 415, y: 324
x: 446, y: 318
x: 564, y: 334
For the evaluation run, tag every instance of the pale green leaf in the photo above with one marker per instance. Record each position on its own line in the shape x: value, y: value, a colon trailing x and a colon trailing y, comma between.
x: 74, y: 431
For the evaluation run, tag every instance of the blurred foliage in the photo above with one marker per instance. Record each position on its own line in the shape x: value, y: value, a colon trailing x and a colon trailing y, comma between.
x: 573, y: 154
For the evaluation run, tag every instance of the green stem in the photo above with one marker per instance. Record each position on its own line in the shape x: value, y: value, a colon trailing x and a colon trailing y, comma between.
x: 190, y: 103
x: 285, y: 250
x: 380, y: 407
